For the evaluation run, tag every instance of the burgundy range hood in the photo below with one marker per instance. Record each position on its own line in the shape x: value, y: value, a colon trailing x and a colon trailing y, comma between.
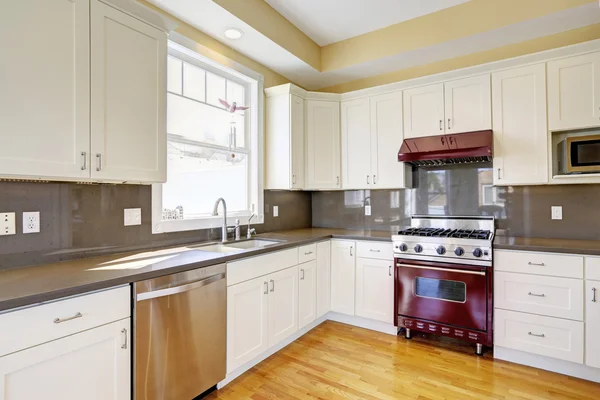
x: 460, y: 148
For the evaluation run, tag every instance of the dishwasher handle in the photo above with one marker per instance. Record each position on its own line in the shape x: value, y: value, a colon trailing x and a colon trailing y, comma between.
x: 180, y: 289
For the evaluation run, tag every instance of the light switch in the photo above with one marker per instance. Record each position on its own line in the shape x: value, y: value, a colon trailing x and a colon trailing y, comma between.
x: 7, y: 223
x: 276, y: 211
x: 556, y: 212
x: 133, y: 216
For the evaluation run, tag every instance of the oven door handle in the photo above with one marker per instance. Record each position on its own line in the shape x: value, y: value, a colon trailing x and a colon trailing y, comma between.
x: 459, y: 271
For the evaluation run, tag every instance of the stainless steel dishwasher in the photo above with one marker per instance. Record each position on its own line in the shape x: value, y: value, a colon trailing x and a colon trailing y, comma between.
x: 180, y: 334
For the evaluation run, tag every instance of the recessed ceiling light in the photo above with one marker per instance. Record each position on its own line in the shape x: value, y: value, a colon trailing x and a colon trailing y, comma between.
x: 233, y: 33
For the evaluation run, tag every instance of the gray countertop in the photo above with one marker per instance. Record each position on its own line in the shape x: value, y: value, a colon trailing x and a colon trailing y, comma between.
x: 36, y: 284
x: 571, y: 246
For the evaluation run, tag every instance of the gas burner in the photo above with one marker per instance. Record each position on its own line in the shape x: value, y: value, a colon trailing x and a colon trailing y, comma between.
x: 483, y: 234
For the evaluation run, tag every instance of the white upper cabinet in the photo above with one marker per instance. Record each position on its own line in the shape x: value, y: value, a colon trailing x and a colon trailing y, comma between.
x: 356, y: 144
x: 128, y: 109
x: 386, y: 138
x: 574, y: 92
x: 468, y: 104
x: 424, y: 111
x: 519, y: 123
x: 323, y: 144
x: 45, y: 96
x: 284, y: 142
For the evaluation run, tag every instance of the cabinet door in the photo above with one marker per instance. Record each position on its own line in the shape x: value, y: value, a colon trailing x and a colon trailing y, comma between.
x: 94, y: 364
x: 519, y: 121
x: 386, y: 139
x: 283, y: 305
x: 307, y: 293
x: 424, y: 111
x: 356, y: 144
x: 592, y: 323
x: 44, y: 76
x: 468, y: 104
x: 343, y: 255
x: 297, y: 126
x: 574, y: 92
x: 246, y: 321
x: 375, y: 289
x: 128, y: 110
x: 323, y: 144
x: 323, y: 278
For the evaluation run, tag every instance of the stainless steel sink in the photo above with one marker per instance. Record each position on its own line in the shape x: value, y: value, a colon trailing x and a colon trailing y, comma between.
x: 235, y: 247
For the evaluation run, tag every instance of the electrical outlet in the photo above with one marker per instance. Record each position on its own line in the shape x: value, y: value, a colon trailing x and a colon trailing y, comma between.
x: 367, y: 210
x: 556, y: 212
x: 276, y: 211
x: 7, y: 223
x: 133, y: 216
x: 31, y: 222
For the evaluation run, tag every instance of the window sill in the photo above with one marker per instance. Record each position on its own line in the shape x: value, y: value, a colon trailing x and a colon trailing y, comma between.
x: 182, y: 225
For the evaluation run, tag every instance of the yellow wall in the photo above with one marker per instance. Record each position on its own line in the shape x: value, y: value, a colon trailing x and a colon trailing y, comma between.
x: 272, y: 78
x: 562, y: 39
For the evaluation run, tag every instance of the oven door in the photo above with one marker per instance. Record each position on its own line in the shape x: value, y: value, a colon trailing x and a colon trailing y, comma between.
x: 447, y: 294
x: 583, y: 154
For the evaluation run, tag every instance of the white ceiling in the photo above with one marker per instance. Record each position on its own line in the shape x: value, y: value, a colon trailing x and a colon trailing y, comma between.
x: 329, y: 21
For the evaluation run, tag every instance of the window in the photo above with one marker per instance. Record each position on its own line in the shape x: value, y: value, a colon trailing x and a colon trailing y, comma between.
x: 211, y: 151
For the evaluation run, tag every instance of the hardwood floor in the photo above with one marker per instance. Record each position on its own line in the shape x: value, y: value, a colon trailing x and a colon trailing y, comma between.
x: 337, y: 361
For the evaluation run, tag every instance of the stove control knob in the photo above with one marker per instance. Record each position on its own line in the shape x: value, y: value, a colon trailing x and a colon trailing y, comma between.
x: 403, y: 247
x: 441, y: 250
x: 418, y: 248
x: 459, y: 251
x: 477, y: 253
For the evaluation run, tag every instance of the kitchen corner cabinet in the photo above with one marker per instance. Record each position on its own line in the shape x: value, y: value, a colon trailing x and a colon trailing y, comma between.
x: 66, y: 118
x: 323, y: 144
x: 323, y: 278
x: 462, y: 105
x: 519, y: 123
x: 574, y: 92
x: 94, y: 365
x: 592, y: 323
x: 284, y: 142
x: 307, y: 293
x: 371, y: 137
x: 343, y: 265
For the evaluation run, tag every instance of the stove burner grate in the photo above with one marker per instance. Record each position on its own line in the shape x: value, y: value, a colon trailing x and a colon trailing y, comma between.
x: 450, y: 233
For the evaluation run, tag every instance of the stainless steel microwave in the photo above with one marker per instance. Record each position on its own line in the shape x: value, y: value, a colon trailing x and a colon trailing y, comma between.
x: 579, y: 155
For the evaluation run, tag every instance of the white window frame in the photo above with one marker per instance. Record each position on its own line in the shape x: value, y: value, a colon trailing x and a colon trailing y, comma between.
x: 194, y: 53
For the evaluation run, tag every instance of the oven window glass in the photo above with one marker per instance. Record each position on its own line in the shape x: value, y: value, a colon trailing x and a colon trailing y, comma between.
x: 585, y: 153
x: 441, y: 289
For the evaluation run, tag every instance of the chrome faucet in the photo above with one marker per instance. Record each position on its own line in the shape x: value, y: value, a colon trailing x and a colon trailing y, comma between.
x: 250, y: 230
x: 216, y: 212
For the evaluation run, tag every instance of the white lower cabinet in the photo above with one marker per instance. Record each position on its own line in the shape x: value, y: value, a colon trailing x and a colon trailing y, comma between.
x: 307, y: 293
x: 375, y: 289
x: 246, y: 321
x: 592, y: 323
x: 343, y: 259
x: 323, y: 278
x: 283, y: 305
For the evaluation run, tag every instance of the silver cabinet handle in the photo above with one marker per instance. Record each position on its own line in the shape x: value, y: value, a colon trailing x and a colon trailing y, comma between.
x: 374, y: 179
x: 302, y: 276
x: 390, y: 272
x: 61, y: 320
x: 374, y: 251
x: 98, y: 162
x: 448, y: 123
x: 266, y: 288
x: 337, y: 180
x: 441, y: 127
x: 536, y: 334
x: 272, y: 285
x: 124, y: 332
x: 307, y: 253
x: 538, y: 264
x: 294, y: 179
x: 594, y: 290
x: 498, y: 173
x: 368, y: 180
x: 536, y: 295
x: 84, y: 157
x: 351, y: 251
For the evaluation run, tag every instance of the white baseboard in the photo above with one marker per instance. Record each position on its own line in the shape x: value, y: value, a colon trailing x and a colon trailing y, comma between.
x: 378, y: 326
x: 547, y: 363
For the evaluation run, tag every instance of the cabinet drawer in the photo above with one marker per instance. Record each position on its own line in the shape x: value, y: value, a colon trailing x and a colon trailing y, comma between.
x: 545, y: 295
x: 592, y: 268
x: 377, y: 250
x: 548, y: 264
x: 42, y: 323
x: 253, y: 267
x: 307, y: 253
x: 552, y: 337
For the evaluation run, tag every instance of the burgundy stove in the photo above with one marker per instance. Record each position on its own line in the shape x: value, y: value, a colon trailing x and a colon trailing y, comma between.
x: 443, y: 278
